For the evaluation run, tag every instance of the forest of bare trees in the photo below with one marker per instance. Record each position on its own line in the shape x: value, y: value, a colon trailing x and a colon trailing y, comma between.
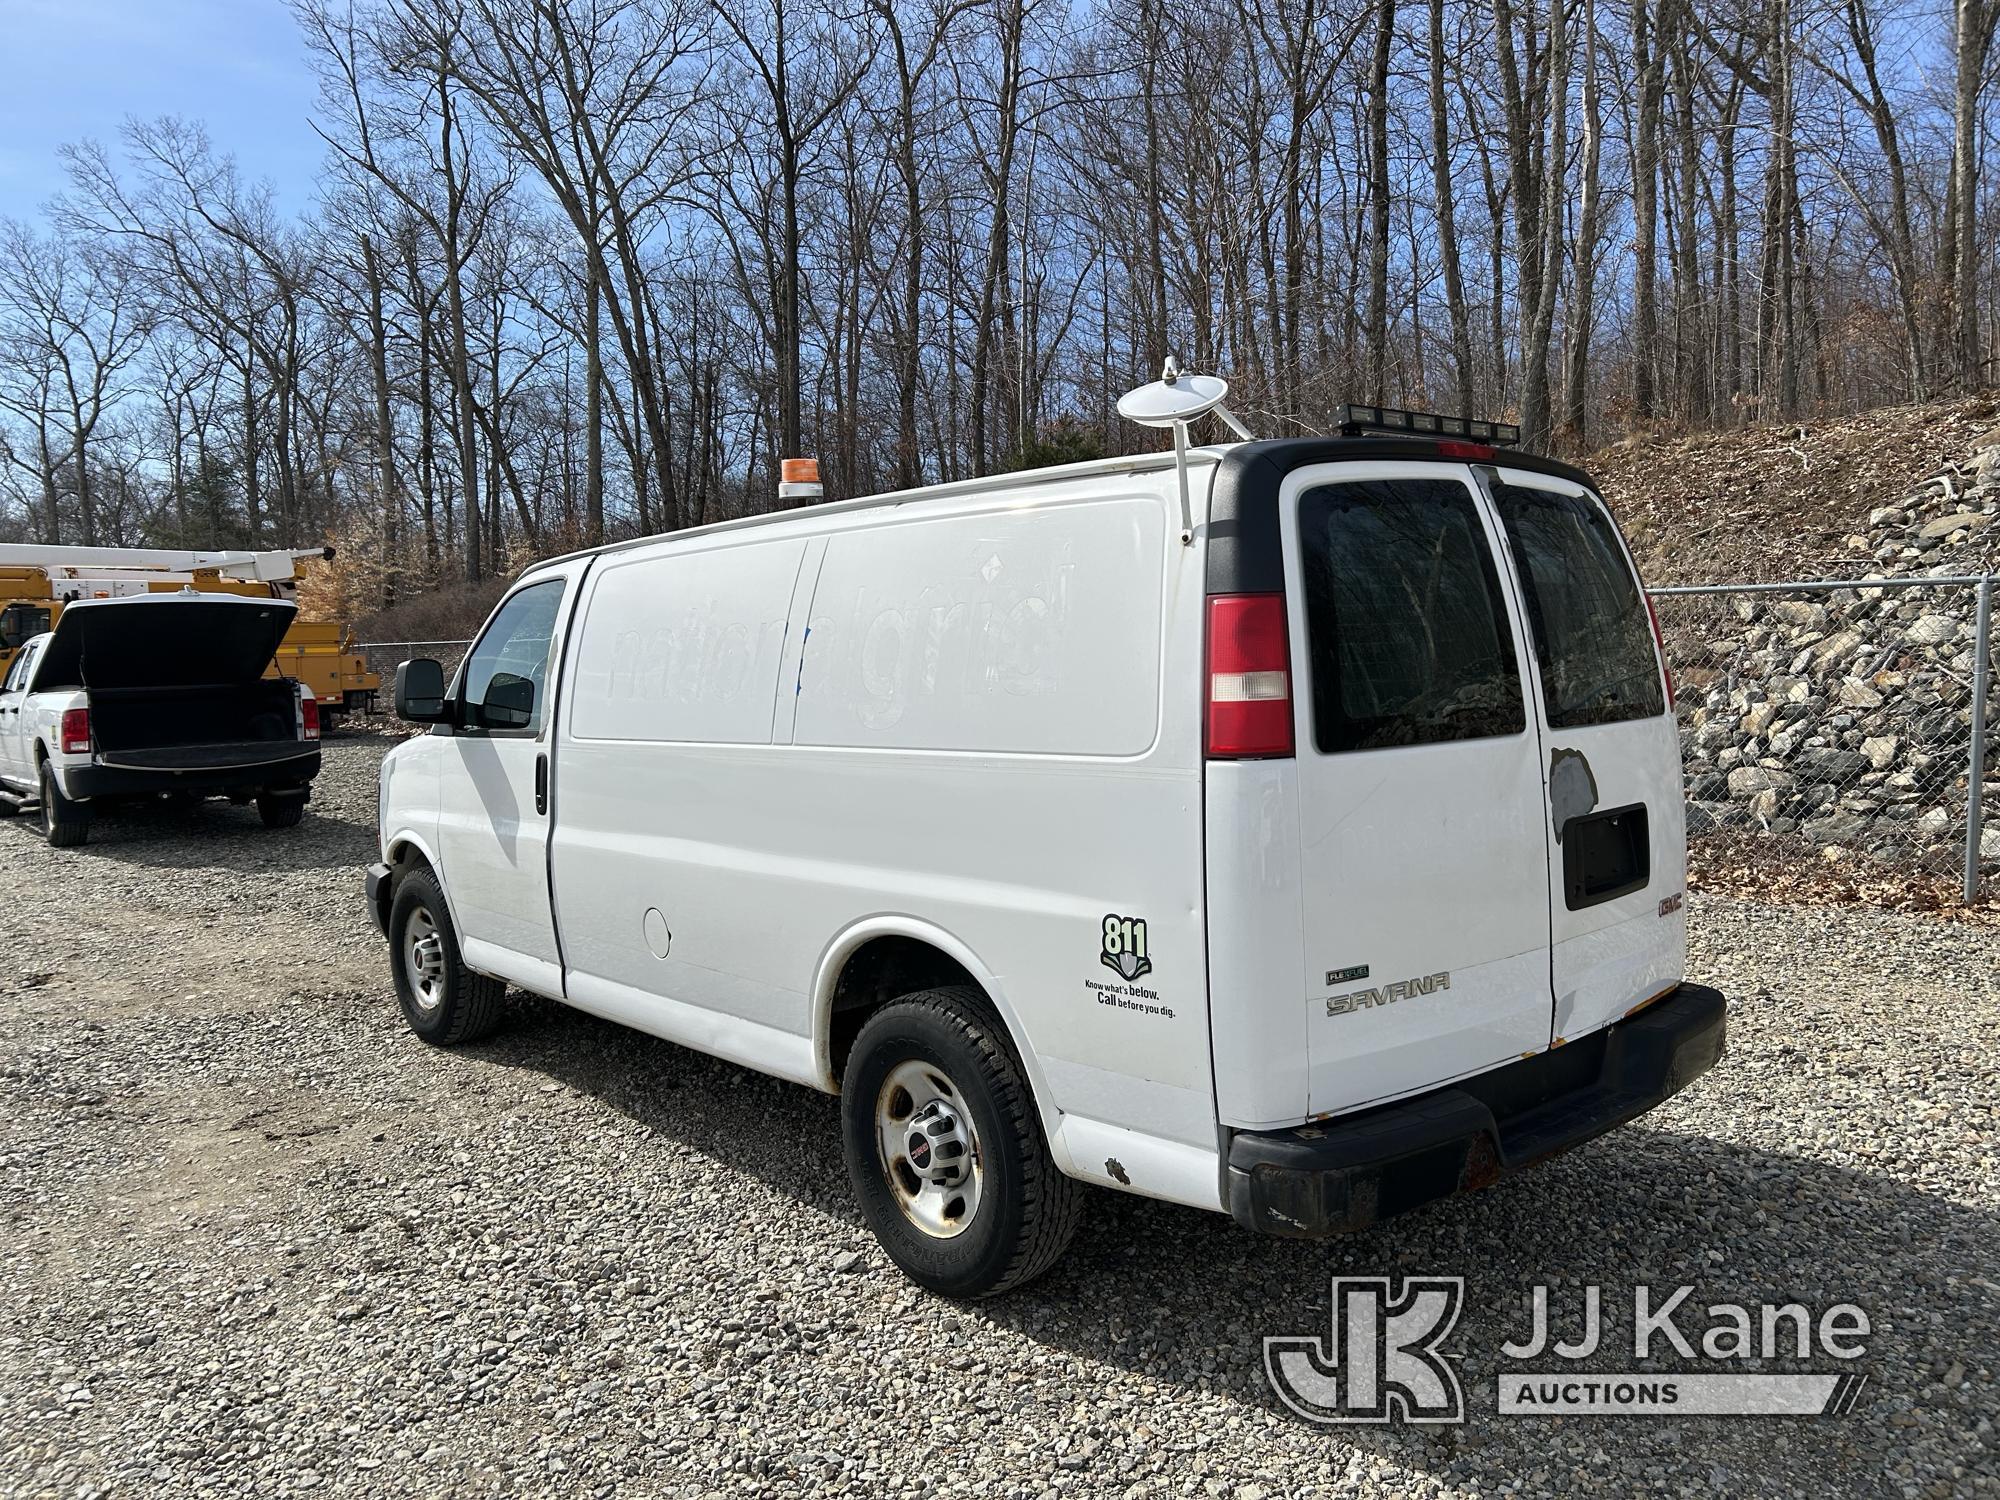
x: 577, y: 268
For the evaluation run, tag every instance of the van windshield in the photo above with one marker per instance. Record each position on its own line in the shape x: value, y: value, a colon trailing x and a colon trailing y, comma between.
x: 1408, y: 628
x: 1592, y: 636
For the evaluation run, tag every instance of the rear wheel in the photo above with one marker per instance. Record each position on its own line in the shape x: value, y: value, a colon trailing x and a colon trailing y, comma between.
x: 65, y: 824
x: 281, y: 812
x: 945, y: 1150
x: 443, y: 1002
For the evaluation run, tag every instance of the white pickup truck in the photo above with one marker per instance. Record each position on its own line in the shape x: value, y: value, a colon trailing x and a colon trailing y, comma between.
x: 159, y: 694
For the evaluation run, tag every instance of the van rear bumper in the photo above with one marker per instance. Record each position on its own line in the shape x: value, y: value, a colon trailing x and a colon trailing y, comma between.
x: 1343, y: 1175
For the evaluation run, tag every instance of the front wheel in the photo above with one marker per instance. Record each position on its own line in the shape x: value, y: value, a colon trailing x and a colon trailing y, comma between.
x: 65, y: 824
x: 945, y: 1150
x: 443, y: 1001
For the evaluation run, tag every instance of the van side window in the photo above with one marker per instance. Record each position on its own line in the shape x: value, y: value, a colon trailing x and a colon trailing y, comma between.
x: 506, y: 675
x: 1408, y: 631
x: 1592, y: 636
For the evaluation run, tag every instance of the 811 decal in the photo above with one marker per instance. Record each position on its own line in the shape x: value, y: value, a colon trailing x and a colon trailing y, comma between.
x: 1125, y: 947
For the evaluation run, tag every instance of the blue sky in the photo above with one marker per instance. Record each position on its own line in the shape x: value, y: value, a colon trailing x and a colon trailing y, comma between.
x: 78, y: 68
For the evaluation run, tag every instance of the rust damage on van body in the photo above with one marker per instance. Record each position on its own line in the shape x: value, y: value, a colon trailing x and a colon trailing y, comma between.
x: 1572, y: 788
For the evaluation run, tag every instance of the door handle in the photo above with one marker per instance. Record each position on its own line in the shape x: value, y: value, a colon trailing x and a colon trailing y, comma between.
x: 541, y: 783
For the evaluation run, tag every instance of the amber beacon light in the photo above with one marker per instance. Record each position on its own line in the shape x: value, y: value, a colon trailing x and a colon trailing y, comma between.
x: 798, y: 479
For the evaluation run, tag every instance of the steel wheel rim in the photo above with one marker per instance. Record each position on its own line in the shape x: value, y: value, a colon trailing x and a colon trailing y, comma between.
x: 423, y: 959
x: 929, y: 1149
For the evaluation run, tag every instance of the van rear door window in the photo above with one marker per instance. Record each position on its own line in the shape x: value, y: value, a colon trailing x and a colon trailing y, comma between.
x: 1592, y: 636
x: 1409, y: 638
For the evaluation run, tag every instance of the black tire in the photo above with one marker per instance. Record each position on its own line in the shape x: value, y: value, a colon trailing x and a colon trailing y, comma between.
x: 464, y: 1006
x: 65, y: 824
x: 281, y: 812
x: 1026, y: 1210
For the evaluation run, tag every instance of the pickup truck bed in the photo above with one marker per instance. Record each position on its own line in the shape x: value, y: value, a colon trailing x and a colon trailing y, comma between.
x: 157, y: 694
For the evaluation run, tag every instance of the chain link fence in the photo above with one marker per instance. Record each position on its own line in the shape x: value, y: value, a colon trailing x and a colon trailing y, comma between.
x: 1823, y: 714
x: 1838, y: 715
x: 383, y: 657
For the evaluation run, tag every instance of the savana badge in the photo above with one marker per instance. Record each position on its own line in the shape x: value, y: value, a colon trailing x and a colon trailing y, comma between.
x: 1125, y: 947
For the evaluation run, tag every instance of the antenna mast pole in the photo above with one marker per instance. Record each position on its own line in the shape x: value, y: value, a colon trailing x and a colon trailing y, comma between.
x: 1180, y: 468
x: 1174, y: 400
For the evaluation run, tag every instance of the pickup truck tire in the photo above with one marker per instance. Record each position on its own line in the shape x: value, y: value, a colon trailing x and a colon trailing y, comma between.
x: 443, y: 1002
x: 65, y: 824
x: 932, y: 1081
x: 281, y: 812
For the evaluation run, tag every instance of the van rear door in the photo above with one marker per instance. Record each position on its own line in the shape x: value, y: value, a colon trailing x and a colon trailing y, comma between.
x: 1423, y: 840
x: 1611, y: 755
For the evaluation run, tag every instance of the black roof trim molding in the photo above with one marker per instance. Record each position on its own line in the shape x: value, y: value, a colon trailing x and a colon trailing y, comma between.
x: 1245, y: 555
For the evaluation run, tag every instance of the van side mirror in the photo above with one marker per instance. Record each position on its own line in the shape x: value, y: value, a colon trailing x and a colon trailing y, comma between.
x: 419, y: 695
x: 509, y: 702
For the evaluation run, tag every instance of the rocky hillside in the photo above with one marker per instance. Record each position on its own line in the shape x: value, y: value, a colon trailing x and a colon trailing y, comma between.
x: 1781, y: 502
x: 1843, y: 718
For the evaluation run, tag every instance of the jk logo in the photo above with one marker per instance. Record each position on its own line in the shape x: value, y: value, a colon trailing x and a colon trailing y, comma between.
x: 1381, y: 1363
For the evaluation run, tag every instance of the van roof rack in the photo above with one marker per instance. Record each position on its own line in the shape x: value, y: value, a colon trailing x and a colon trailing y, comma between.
x: 1356, y: 420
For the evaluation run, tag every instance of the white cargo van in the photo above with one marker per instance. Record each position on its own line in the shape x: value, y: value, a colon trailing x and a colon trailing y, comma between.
x: 1309, y: 868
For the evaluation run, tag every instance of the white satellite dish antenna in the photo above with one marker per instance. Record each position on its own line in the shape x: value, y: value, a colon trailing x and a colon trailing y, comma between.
x: 1174, y: 400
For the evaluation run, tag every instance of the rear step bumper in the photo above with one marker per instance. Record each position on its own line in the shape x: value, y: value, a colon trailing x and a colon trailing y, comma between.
x: 292, y: 772
x: 1343, y: 1175
x: 230, y: 756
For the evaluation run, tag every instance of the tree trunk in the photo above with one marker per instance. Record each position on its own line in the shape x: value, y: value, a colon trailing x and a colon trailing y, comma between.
x: 991, y: 282
x: 388, y: 497
x: 1378, y: 202
x: 593, y: 413
x: 1972, y: 34
x: 1589, y: 211
x: 1447, y: 216
x: 458, y: 359
x: 1648, y: 64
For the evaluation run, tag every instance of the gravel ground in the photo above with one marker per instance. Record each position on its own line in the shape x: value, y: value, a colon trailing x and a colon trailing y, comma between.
x: 258, y: 1240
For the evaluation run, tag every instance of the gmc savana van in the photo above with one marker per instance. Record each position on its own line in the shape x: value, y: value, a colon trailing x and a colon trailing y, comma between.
x: 1308, y: 859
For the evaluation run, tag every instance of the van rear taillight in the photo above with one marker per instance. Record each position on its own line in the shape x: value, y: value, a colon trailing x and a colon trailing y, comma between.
x: 75, y: 731
x: 1660, y: 645
x: 1249, y: 677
